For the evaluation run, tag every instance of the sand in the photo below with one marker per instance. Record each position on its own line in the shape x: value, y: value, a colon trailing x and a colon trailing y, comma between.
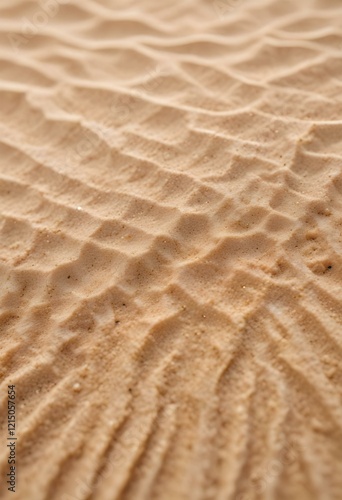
x: 170, y: 249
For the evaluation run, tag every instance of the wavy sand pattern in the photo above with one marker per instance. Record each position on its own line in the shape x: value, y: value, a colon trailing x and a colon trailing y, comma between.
x: 170, y: 249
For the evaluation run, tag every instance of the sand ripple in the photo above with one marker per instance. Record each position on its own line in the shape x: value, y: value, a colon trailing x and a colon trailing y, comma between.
x: 170, y: 248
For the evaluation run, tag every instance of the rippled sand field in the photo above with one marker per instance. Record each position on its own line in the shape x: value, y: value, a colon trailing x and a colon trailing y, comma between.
x: 171, y: 248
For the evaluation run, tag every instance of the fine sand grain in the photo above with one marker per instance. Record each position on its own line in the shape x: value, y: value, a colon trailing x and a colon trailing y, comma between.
x: 171, y: 248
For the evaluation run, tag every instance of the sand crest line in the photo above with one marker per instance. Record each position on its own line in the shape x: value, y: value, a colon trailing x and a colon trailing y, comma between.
x: 124, y: 107
x: 30, y: 27
x: 86, y: 488
x: 271, y: 471
x: 259, y: 484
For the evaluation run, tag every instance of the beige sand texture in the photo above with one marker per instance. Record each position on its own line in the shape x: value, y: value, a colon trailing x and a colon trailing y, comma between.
x: 170, y: 248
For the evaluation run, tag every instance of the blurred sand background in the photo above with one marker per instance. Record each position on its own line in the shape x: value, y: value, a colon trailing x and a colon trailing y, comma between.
x: 170, y: 248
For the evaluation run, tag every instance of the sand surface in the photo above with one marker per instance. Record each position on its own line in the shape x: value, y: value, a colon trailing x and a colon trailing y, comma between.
x: 171, y: 249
